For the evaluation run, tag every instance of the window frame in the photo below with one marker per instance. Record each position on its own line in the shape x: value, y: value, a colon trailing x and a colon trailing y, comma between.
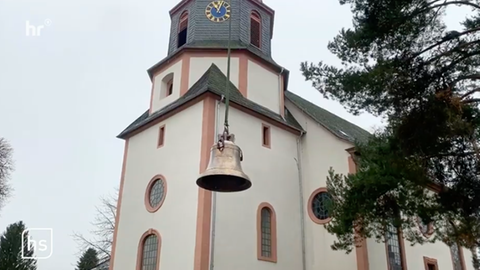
x: 460, y: 254
x: 273, y: 232
x: 161, y: 136
x: 255, y: 16
x: 167, y: 81
x: 401, y: 247
x: 182, y: 26
x: 148, y: 190
x: 266, y: 136
x: 141, y: 246
x: 430, y: 261
x: 311, y: 214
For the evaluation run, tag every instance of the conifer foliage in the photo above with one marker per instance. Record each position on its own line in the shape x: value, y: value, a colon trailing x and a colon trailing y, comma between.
x: 88, y: 260
x: 11, y: 249
x: 400, y: 61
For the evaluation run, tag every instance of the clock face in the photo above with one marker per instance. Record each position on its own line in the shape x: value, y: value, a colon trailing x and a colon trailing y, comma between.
x: 218, y: 11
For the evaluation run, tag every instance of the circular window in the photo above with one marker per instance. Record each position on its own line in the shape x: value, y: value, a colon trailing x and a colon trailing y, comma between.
x: 155, y: 193
x: 425, y: 229
x: 318, y: 206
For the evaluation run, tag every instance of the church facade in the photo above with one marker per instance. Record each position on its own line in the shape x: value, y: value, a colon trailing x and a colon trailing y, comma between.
x: 165, y: 221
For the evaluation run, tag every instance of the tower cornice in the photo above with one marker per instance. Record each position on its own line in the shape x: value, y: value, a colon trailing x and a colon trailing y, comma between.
x: 260, y: 4
x: 269, y: 62
x: 178, y: 6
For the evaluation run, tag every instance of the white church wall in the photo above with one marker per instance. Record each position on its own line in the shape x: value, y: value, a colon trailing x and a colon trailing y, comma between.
x: 178, y: 161
x: 438, y: 251
x: 263, y: 86
x: 199, y: 65
x: 273, y: 172
x: 321, y: 150
x: 159, y: 98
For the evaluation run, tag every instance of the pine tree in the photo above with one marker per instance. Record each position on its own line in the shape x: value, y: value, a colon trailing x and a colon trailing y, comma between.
x: 11, y: 246
x: 400, y: 62
x: 88, y: 260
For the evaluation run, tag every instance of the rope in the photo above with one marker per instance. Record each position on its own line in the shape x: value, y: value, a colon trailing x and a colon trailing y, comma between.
x: 227, y: 83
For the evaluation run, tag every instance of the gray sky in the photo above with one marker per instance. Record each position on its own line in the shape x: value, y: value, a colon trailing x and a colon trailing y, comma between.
x: 66, y: 94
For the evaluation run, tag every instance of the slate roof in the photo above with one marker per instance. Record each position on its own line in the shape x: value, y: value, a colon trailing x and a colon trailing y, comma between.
x: 213, y: 80
x: 338, y: 126
x: 223, y: 44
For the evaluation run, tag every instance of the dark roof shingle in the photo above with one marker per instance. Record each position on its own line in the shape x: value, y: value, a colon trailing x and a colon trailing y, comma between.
x: 338, y: 126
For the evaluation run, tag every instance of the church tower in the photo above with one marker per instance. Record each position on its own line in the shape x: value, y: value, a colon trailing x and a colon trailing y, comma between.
x: 165, y: 221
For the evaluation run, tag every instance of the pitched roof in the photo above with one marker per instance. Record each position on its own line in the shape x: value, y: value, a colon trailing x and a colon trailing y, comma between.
x: 213, y: 80
x: 338, y: 126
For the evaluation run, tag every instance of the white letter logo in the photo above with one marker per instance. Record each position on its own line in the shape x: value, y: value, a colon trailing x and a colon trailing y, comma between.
x: 41, y: 249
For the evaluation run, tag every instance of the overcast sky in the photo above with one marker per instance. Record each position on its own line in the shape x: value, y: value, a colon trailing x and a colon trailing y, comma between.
x: 66, y: 94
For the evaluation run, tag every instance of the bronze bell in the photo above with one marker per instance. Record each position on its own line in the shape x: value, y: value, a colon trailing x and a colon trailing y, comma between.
x: 224, y: 172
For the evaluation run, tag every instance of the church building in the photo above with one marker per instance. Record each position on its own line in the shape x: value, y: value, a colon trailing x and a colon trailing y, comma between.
x: 166, y: 222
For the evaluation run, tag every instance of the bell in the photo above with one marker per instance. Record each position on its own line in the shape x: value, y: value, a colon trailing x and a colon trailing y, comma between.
x: 224, y: 172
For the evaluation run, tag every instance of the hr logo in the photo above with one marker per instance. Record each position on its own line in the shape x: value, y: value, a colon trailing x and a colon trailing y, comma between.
x: 35, y: 30
x: 42, y: 248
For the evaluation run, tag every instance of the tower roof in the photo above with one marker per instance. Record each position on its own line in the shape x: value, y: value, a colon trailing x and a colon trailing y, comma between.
x: 257, y: 3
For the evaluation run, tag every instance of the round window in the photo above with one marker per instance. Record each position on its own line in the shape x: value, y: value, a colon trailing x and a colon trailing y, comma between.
x: 319, y: 204
x: 155, y: 194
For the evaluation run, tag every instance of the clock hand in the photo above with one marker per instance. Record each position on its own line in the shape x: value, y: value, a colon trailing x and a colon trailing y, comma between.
x: 220, y: 4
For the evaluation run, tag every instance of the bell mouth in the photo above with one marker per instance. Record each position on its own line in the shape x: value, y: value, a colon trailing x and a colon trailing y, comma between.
x: 224, y: 183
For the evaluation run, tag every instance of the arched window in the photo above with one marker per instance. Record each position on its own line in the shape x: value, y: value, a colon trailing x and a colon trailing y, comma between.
x: 395, y: 246
x: 255, y: 29
x: 167, y: 86
x: 182, y: 29
x: 148, y: 256
x: 266, y: 233
x: 457, y: 257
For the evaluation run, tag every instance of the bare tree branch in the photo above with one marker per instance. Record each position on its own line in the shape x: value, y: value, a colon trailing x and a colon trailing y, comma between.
x: 466, y: 3
x: 473, y: 100
x: 91, y: 244
x: 6, y: 168
x: 476, y: 90
x: 104, y: 226
x: 469, y: 31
